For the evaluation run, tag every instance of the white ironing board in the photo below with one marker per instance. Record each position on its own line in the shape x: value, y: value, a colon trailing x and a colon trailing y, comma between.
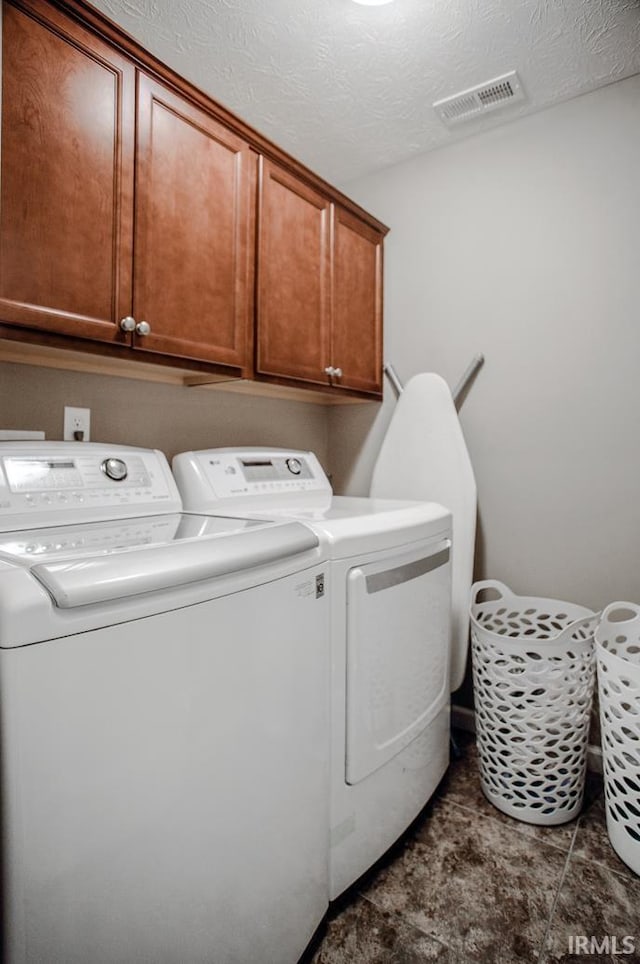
x: 424, y: 456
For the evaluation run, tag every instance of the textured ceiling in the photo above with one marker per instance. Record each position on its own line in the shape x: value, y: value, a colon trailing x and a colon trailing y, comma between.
x: 348, y: 89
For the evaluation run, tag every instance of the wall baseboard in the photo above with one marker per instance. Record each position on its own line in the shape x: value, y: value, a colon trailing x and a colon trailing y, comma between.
x: 463, y: 718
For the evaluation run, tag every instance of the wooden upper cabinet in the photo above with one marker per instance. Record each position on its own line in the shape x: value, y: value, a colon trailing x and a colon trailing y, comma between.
x: 194, y: 240
x: 294, y: 277
x: 319, y: 302
x: 70, y: 192
x: 66, y: 185
x: 137, y: 213
x: 356, y: 333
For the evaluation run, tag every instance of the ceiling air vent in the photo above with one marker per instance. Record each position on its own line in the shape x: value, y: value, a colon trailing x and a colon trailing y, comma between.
x: 476, y: 101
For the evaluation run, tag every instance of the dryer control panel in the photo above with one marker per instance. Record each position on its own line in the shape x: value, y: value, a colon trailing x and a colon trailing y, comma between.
x: 251, y: 479
x: 45, y: 483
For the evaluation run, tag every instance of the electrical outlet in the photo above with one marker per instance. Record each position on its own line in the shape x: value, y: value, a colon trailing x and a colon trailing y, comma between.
x: 77, y: 424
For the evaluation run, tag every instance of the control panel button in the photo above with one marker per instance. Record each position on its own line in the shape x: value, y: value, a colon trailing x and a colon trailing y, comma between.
x: 294, y: 466
x: 114, y: 469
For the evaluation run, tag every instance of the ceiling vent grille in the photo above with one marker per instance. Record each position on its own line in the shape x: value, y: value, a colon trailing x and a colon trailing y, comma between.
x: 472, y: 103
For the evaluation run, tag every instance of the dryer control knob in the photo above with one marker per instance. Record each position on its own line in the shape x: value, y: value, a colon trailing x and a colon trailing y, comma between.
x: 294, y: 466
x: 115, y: 469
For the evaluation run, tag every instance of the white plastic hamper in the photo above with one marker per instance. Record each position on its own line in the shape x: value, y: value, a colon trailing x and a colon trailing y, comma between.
x: 618, y: 657
x: 533, y: 675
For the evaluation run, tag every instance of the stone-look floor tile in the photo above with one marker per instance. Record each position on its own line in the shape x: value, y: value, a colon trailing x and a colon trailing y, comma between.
x: 593, y: 791
x: 595, y: 902
x: 473, y: 884
x: 592, y: 841
x: 461, y: 785
x: 364, y: 934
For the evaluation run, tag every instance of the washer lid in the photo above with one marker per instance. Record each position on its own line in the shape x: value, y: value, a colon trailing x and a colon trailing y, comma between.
x: 30, y: 546
x: 82, y: 565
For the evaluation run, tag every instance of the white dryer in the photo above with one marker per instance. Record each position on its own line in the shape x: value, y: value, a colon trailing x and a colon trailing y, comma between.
x: 390, y: 588
x: 164, y: 687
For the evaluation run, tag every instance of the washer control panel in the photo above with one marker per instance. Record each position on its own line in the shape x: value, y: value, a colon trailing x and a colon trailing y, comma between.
x: 41, y: 483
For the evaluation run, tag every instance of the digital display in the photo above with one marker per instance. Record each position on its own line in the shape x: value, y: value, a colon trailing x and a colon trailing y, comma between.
x: 258, y: 470
x: 37, y: 474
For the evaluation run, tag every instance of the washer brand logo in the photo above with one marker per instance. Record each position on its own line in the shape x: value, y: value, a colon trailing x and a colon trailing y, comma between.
x: 581, y: 944
x: 319, y: 585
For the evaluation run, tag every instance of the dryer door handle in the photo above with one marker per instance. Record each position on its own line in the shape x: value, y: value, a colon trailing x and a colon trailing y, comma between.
x: 410, y: 570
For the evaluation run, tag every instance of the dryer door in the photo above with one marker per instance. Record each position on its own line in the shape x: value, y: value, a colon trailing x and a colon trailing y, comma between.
x: 398, y: 642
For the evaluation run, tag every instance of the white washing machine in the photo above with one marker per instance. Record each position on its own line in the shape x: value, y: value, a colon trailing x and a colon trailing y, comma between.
x: 391, y: 621
x: 164, y: 690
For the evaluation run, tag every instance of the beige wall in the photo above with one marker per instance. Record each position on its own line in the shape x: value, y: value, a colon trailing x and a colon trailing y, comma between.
x: 524, y: 244
x: 167, y: 417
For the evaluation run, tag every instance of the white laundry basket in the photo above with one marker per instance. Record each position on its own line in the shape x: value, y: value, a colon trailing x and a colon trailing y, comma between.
x: 618, y: 657
x: 533, y: 675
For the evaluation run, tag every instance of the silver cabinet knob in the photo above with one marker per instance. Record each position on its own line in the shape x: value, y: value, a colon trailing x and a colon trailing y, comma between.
x: 337, y: 373
x: 128, y: 323
x: 333, y: 372
x: 143, y: 328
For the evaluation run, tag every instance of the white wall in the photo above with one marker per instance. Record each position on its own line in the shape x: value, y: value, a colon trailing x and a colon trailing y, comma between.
x: 524, y: 243
x: 171, y: 418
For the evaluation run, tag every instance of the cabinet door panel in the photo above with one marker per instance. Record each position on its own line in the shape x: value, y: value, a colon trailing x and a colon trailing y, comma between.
x: 294, y: 298
x: 66, y: 214
x: 357, y: 304
x: 194, y: 250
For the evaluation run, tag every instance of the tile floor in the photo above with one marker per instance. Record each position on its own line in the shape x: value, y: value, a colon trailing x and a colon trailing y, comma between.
x: 469, y: 884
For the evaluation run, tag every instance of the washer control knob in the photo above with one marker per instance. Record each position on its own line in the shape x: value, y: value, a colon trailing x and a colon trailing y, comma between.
x: 294, y: 466
x: 115, y: 469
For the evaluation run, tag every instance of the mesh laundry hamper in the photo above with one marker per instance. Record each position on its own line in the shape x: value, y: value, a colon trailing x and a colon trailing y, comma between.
x: 533, y: 675
x: 618, y: 657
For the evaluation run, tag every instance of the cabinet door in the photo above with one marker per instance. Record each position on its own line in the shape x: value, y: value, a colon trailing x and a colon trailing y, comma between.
x: 194, y: 240
x: 66, y: 209
x: 294, y: 297
x: 356, y: 343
